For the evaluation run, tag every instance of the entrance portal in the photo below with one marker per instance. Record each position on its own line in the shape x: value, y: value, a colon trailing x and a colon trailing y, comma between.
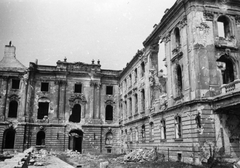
x: 75, y: 140
x: 8, y: 139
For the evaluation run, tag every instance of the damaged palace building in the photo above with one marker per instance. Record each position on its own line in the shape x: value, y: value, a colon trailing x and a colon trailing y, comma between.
x: 187, y: 114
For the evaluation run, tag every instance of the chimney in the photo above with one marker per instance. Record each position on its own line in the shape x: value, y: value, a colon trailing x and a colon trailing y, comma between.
x: 9, y: 50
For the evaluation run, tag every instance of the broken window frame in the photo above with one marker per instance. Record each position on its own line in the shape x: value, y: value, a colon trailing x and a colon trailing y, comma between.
x: 75, y: 117
x: 136, y: 135
x: 6, y: 141
x: 143, y: 99
x: 151, y: 131
x: 163, y: 129
x: 135, y: 74
x: 15, y: 83
x: 40, y: 141
x: 13, y: 109
x: 130, y: 135
x: 41, y: 114
x: 178, y: 127
x: 130, y: 106
x: 226, y: 26
x: 109, y: 90
x: 177, y: 37
x: 44, y: 86
x: 142, y: 69
x: 78, y: 88
x: 179, y: 81
x: 143, y: 133
x: 136, y: 103
x: 109, y: 139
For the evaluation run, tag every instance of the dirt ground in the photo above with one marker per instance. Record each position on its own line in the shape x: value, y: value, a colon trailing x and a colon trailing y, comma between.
x: 116, y: 161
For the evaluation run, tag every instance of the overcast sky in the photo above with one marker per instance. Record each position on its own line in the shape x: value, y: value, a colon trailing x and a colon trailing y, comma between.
x: 80, y: 30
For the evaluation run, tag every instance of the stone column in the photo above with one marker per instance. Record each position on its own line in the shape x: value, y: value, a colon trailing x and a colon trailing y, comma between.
x: 98, y: 101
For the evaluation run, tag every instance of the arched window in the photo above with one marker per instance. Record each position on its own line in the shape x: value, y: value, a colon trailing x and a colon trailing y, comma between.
x: 227, y: 68
x: 143, y: 99
x: 40, y: 138
x: 177, y: 37
x: 142, y: 69
x: 179, y: 80
x: 109, y: 113
x: 8, y: 138
x: 163, y: 129
x: 224, y: 27
x: 136, y: 103
x: 13, y: 107
x: 76, y: 114
x: 75, y: 140
x: 151, y: 131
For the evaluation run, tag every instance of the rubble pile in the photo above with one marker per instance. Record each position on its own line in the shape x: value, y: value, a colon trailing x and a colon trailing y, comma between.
x: 39, y: 158
x: 142, y: 155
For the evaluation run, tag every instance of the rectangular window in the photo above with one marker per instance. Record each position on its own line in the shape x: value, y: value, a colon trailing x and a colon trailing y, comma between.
x: 136, y: 74
x: 44, y: 86
x: 15, y: 83
x: 42, y: 110
x: 109, y: 90
x: 178, y: 127
x: 78, y: 88
x: 163, y: 129
x: 220, y: 26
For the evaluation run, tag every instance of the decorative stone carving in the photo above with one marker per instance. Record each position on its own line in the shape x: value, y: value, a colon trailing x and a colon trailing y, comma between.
x: 183, y: 22
x: 237, y: 19
x: 14, y: 97
x: 77, y: 99
x: 208, y: 15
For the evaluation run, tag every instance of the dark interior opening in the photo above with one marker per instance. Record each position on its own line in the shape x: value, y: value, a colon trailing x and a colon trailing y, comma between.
x: 78, y: 88
x: 109, y: 112
x: 8, y: 139
x: 42, y: 109
x: 224, y: 29
x: 40, y: 138
x: 75, y: 140
x: 15, y: 83
x: 177, y: 37
x: 227, y: 69
x: 44, y: 86
x: 76, y: 114
x: 109, y: 90
x: 179, y: 79
x: 13, y: 107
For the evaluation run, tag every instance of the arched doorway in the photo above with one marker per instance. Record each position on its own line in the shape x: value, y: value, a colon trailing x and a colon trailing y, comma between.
x: 40, y: 138
x: 76, y: 114
x: 75, y: 140
x: 8, y: 138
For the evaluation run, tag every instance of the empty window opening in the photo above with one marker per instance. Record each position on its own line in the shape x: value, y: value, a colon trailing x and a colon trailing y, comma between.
x: 151, y: 125
x: 136, y: 134
x: 178, y: 127
x: 40, y: 138
x: 15, y: 83
x: 198, y: 120
x: 136, y: 74
x: 177, y: 37
x: 76, y: 114
x: 42, y: 109
x: 44, y: 87
x: 227, y: 69
x: 130, y: 80
x: 143, y: 68
x: 109, y: 150
x: 109, y: 90
x: 109, y: 113
x: 179, y: 157
x: 126, y: 136
x: 131, y: 135
x: 179, y: 80
x: 109, y: 138
x: 136, y: 103
x: 75, y: 140
x: 224, y: 28
x: 13, y: 107
x: 78, y: 88
x: 143, y: 100
x: 163, y: 129
x: 130, y: 106
x: 143, y: 133
x: 9, y: 139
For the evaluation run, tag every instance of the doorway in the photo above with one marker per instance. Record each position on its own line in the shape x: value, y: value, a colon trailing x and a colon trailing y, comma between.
x: 75, y: 140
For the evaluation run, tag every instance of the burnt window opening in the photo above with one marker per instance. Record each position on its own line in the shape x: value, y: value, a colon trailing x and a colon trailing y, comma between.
x: 142, y: 69
x: 40, y: 138
x: 136, y: 74
x: 143, y: 133
x: 151, y: 125
x: 109, y: 113
x: 76, y: 114
x: 44, y: 86
x: 125, y: 108
x: 198, y: 120
x: 130, y: 106
x: 78, y: 88
x: 178, y: 127
x: 13, y: 108
x: 227, y: 68
x: 109, y: 138
x: 75, y: 140
x: 42, y: 110
x: 224, y: 28
x: 9, y: 138
x: 163, y: 129
x: 177, y: 37
x: 15, y: 83
x: 179, y: 80
x: 109, y: 150
x: 109, y: 90
x: 130, y: 80
x: 143, y: 100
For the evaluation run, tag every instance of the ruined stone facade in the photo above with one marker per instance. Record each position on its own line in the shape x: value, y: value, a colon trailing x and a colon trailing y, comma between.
x: 188, y: 115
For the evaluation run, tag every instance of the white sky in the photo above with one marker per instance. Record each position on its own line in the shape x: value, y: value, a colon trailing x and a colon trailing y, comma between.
x: 81, y: 30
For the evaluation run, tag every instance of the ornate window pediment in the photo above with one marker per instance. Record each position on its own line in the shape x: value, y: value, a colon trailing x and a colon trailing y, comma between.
x: 77, y: 99
x: 14, y: 97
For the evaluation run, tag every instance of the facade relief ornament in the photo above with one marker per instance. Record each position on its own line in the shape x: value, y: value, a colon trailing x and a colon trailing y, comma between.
x: 14, y: 97
x: 183, y: 22
x: 237, y: 19
x: 77, y: 99
x: 208, y: 15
